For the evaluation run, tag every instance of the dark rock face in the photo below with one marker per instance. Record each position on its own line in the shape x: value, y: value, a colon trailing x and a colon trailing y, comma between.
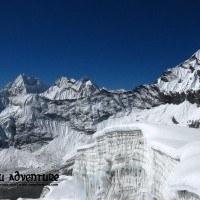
x: 165, y: 75
x: 178, y: 98
x: 184, y: 194
x: 14, y: 193
x: 195, y: 124
x: 174, y: 120
x: 172, y: 98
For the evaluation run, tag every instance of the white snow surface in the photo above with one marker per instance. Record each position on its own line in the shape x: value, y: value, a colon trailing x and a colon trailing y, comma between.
x: 183, y: 113
x: 183, y: 77
x: 178, y: 142
x: 51, y: 156
x: 69, y: 88
x: 26, y: 84
x: 187, y: 174
x: 166, y: 138
x: 66, y: 190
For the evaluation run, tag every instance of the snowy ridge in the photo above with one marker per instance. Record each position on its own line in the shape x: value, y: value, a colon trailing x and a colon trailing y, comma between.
x: 184, y: 114
x: 65, y: 88
x: 184, y: 77
x: 26, y: 84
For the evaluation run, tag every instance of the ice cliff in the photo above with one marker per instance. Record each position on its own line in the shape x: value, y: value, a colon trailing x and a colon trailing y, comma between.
x: 136, y: 162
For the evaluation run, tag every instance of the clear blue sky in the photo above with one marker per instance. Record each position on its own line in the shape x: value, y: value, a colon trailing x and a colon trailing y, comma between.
x: 117, y: 43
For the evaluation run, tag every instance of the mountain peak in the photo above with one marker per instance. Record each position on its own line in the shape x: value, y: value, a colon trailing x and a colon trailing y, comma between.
x: 69, y: 88
x: 64, y: 81
x: 183, y: 77
x: 26, y: 84
x: 85, y: 79
x: 197, y: 55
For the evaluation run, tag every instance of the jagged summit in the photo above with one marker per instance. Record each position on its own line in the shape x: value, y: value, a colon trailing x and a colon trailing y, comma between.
x: 182, y: 78
x: 26, y: 84
x: 197, y: 55
x: 69, y: 88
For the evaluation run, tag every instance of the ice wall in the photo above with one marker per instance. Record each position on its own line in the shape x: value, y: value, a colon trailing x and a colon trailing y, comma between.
x: 122, y: 165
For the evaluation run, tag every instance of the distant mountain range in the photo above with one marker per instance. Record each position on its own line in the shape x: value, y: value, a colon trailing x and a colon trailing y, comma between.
x: 36, y: 118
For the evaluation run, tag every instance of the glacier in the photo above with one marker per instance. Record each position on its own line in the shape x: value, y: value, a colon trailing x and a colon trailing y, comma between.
x: 140, y: 161
x: 137, y: 162
x: 42, y: 126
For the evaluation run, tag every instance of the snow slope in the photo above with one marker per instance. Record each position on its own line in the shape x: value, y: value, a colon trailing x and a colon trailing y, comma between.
x: 67, y: 189
x: 69, y: 88
x: 182, y: 78
x: 185, y: 114
x: 186, y: 175
x: 51, y: 156
x: 26, y: 84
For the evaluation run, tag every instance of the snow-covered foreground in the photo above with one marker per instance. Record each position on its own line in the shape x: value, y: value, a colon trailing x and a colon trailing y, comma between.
x: 137, y: 161
x: 141, y: 161
x: 67, y: 189
x: 51, y: 156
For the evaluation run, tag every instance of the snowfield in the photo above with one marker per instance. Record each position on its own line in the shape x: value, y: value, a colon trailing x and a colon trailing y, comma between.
x: 178, y: 145
x: 184, y: 114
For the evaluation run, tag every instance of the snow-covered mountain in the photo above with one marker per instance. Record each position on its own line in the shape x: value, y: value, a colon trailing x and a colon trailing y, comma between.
x: 183, y: 78
x: 69, y: 88
x: 24, y: 84
x: 21, y: 85
x: 41, y: 126
x: 32, y: 112
x: 29, y: 117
